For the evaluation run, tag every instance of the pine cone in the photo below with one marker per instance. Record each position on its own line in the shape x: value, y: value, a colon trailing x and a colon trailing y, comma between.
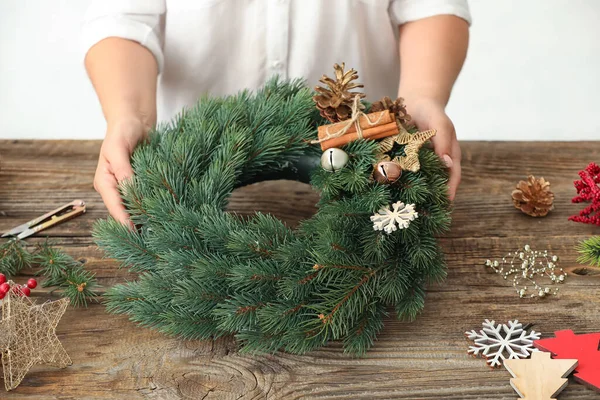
x: 396, y: 107
x: 335, y: 101
x: 533, y: 197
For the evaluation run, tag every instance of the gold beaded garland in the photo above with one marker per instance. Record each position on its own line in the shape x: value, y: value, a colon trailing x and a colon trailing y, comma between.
x: 525, y: 266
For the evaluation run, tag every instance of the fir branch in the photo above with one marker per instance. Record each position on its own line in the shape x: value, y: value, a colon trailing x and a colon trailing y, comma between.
x: 350, y: 267
x: 362, y: 335
x: 127, y: 246
x: 238, y: 313
x: 307, y: 278
x: 589, y: 251
x: 409, y: 306
x: 327, y: 318
x: 66, y: 274
x: 79, y: 286
x: 14, y: 256
x: 120, y: 298
x: 394, y: 279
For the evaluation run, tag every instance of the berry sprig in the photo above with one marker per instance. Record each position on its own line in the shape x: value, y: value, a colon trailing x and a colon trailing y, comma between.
x: 22, y: 290
x: 588, y: 190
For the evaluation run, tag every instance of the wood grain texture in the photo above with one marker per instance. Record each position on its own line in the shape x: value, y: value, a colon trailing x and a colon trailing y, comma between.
x: 426, y: 359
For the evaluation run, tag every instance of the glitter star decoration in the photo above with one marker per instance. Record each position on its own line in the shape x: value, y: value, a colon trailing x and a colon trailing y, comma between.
x: 413, y: 143
x: 29, y: 336
x: 534, y: 273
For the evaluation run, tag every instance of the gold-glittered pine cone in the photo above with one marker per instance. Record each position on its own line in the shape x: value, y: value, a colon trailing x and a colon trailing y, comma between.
x: 396, y: 107
x: 533, y: 197
x: 335, y: 99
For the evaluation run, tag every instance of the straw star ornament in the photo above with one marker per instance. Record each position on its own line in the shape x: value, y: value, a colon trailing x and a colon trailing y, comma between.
x: 413, y: 143
x: 29, y: 336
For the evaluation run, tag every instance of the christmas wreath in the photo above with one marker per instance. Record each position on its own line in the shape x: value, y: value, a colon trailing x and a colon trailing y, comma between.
x: 369, y: 249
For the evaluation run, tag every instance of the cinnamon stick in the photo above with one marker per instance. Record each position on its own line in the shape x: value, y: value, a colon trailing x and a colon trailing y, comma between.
x: 384, y: 135
x: 367, y: 121
x: 377, y: 132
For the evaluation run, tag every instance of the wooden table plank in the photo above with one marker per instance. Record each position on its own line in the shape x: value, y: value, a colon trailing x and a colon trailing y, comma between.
x: 426, y: 359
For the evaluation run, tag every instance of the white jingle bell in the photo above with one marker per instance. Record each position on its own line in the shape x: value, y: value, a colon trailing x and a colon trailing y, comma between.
x: 334, y: 159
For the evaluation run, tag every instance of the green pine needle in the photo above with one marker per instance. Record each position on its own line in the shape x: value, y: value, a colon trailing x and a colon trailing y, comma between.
x: 65, y: 274
x: 79, y: 285
x: 589, y: 251
x: 14, y: 256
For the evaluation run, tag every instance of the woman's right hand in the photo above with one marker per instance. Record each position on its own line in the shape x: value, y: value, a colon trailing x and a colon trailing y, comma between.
x: 114, y: 167
x: 124, y: 74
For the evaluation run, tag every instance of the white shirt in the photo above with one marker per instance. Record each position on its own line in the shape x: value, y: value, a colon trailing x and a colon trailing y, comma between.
x: 222, y: 46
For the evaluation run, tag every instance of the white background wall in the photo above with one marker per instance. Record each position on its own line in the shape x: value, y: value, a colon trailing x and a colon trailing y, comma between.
x: 533, y: 72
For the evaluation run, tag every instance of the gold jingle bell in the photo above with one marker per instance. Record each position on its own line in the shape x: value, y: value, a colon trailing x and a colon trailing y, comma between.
x: 387, y: 172
x: 334, y: 159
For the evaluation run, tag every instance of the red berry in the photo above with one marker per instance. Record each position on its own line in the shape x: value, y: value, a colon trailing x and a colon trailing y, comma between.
x: 31, y: 283
x: 2, y: 294
x: 4, y: 288
x: 2, y: 278
x: 25, y: 290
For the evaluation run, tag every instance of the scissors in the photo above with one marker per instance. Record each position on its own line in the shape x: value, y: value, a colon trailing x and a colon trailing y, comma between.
x: 61, y: 214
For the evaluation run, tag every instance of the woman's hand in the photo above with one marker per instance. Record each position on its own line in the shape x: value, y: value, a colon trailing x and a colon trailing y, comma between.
x: 114, y: 167
x: 124, y: 75
x: 432, y: 52
x: 428, y: 113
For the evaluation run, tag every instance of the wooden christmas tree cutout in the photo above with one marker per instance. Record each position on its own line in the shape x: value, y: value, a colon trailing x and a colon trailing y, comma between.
x: 540, y: 377
x: 583, y: 347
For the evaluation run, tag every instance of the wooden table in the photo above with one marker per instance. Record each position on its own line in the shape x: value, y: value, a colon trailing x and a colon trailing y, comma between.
x: 114, y: 359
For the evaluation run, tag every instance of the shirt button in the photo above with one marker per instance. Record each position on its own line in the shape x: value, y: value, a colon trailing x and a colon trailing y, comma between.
x: 277, y: 64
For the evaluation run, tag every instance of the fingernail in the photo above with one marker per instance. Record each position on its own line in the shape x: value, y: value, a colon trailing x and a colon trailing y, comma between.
x: 447, y: 160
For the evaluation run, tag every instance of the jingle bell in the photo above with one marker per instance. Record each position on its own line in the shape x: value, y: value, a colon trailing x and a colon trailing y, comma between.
x: 334, y: 159
x: 387, y: 172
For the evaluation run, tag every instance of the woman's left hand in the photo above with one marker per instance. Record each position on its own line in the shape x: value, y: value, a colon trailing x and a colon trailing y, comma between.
x: 428, y: 113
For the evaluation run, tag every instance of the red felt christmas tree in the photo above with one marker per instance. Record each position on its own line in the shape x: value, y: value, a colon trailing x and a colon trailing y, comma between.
x: 583, y: 347
x: 588, y: 190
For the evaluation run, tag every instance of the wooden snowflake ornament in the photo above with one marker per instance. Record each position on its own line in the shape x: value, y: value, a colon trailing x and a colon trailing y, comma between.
x: 541, y: 377
x: 499, y: 342
x: 398, y: 217
x: 584, y: 348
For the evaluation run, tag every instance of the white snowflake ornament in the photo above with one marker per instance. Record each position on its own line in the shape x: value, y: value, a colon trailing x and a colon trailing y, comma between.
x: 398, y: 217
x: 499, y: 342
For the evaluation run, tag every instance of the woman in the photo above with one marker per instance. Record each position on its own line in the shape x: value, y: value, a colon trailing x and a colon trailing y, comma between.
x: 144, y: 52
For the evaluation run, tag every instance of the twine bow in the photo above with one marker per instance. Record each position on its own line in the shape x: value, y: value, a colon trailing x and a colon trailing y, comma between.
x: 354, y: 120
